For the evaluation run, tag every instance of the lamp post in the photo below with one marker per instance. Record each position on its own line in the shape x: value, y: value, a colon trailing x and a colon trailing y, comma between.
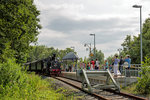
x: 94, y: 44
x: 89, y: 46
x: 140, y: 6
x: 72, y: 47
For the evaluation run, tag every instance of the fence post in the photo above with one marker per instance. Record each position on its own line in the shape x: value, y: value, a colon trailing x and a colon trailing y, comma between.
x: 125, y: 77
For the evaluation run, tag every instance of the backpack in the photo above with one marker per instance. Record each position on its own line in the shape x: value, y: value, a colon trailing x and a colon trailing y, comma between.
x: 121, y: 62
x: 125, y: 64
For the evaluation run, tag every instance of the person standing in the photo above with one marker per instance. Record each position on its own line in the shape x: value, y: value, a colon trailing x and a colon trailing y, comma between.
x: 112, y: 65
x: 92, y: 64
x: 66, y: 68
x: 116, y: 61
x: 70, y: 68
x: 128, y: 60
x: 121, y: 64
x: 88, y: 66
x: 96, y: 64
x: 106, y: 65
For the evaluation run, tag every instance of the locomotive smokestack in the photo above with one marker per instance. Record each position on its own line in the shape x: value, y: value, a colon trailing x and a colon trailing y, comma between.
x: 54, y: 56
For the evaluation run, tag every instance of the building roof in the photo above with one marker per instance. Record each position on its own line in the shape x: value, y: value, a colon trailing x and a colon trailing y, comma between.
x: 70, y: 56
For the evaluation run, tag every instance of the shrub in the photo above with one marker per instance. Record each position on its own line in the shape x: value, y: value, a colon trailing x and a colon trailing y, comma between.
x: 18, y: 85
x: 143, y: 85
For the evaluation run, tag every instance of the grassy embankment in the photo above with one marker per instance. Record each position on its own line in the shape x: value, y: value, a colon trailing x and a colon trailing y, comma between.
x: 16, y: 84
x: 132, y: 90
x: 142, y: 87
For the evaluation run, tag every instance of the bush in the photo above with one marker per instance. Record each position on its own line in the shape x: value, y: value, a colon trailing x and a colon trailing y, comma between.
x: 143, y: 85
x: 18, y: 85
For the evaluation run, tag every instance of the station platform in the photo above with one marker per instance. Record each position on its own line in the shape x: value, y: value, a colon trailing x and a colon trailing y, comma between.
x: 121, y: 80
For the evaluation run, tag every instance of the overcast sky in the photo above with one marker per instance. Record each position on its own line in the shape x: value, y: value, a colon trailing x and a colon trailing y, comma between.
x: 68, y: 23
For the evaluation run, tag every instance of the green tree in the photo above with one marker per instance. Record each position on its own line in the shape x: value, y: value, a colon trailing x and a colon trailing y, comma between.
x: 135, y: 50
x: 110, y: 59
x: 62, y: 53
x: 131, y: 45
x: 146, y: 38
x: 143, y: 85
x: 127, y: 44
x: 18, y: 28
x: 100, y: 56
x: 39, y: 52
x: 86, y: 60
x: 42, y: 51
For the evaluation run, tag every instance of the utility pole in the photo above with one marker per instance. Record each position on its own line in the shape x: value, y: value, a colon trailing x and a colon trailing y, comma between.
x: 94, y: 45
x: 140, y: 6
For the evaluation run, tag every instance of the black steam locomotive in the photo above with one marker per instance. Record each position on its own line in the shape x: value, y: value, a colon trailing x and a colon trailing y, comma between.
x: 53, y: 66
x: 49, y: 66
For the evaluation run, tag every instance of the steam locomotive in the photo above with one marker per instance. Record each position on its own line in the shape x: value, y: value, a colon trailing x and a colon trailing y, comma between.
x: 48, y: 66
x: 53, y: 66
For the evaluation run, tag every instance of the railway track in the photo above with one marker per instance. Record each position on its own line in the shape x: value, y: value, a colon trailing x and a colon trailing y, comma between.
x: 101, y: 94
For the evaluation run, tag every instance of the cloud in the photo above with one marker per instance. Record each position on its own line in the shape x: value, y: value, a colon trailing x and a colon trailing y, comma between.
x: 145, y: 1
x: 65, y: 24
x: 68, y: 23
x: 106, y: 30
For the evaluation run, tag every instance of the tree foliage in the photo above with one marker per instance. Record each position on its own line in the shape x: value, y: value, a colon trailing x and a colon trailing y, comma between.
x: 100, y: 56
x: 41, y: 52
x: 16, y: 84
x: 131, y: 45
x: 146, y: 38
x: 143, y: 85
x: 18, y: 28
x: 110, y: 59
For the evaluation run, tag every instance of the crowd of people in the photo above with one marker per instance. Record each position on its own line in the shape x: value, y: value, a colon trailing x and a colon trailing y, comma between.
x: 120, y: 63
x: 116, y: 66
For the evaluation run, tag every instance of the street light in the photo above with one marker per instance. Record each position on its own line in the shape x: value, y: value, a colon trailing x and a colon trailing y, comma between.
x: 140, y: 6
x: 89, y: 46
x: 72, y: 47
x: 94, y: 44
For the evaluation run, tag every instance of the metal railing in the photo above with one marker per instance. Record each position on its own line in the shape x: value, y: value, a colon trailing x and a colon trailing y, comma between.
x: 127, y: 77
x: 134, y: 70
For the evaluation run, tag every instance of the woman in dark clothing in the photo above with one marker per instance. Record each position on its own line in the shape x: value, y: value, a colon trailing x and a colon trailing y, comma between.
x: 121, y: 64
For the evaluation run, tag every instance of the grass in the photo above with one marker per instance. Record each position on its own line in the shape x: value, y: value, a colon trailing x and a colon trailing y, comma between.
x: 131, y: 89
x: 16, y: 84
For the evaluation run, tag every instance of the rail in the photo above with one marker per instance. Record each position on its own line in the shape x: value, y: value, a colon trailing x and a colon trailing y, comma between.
x: 106, y: 94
